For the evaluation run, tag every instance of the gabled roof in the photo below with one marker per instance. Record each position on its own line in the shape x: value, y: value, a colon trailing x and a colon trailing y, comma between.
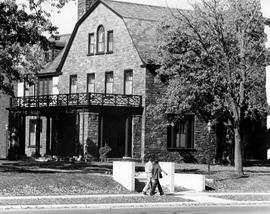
x: 51, y: 66
x: 138, y: 11
x: 140, y: 20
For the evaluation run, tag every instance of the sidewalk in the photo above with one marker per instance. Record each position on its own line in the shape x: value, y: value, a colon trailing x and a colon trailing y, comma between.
x: 110, y: 201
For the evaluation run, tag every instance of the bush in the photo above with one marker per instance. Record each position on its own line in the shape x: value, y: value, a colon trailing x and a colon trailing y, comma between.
x: 103, y: 152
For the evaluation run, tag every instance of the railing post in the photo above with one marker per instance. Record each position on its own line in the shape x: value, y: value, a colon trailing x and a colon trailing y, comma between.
x: 88, y: 99
x: 37, y: 97
x: 67, y: 98
x: 48, y: 100
x: 78, y: 100
x: 115, y: 100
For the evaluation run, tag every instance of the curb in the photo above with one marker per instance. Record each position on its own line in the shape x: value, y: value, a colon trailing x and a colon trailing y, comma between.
x: 133, y: 205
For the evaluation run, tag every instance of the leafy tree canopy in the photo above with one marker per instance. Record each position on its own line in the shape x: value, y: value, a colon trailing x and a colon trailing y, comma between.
x: 212, y: 60
x: 22, y: 40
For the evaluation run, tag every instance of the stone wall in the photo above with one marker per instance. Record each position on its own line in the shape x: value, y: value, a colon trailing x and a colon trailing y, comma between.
x: 124, y: 56
x: 136, y: 137
x: 92, y: 139
x: 156, y: 136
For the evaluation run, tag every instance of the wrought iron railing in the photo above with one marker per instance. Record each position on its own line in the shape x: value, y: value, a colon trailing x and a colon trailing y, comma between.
x: 77, y: 99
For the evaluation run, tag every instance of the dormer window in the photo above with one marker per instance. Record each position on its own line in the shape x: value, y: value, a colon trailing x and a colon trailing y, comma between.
x: 100, y: 39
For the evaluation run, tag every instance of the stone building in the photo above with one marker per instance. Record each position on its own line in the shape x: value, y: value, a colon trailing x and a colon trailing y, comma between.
x: 97, y: 89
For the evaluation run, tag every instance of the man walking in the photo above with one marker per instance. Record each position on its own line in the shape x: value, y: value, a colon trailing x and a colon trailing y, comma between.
x: 148, y: 170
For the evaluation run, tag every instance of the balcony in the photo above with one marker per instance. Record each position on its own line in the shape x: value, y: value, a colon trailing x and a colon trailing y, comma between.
x: 76, y: 100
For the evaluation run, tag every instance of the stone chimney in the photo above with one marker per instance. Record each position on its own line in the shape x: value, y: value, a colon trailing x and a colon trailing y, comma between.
x: 83, y: 6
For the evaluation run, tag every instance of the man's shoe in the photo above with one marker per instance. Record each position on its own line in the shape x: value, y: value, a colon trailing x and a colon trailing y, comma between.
x: 144, y: 193
x: 162, y: 193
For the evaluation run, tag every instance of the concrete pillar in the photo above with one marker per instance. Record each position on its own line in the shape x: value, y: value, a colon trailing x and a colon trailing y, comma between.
x: 48, y: 135
x: 124, y: 173
x: 128, y: 137
x: 83, y: 130
x: 101, y: 133
x: 38, y: 125
x: 168, y: 180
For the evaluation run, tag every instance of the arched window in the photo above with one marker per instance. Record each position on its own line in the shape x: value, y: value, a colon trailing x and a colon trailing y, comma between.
x: 100, y: 39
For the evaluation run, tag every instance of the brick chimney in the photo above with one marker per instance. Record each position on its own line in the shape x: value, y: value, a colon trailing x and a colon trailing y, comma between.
x: 83, y: 6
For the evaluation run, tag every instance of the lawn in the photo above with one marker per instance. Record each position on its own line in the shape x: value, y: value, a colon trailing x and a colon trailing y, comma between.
x: 14, y: 183
x: 24, y: 178
x: 255, y: 179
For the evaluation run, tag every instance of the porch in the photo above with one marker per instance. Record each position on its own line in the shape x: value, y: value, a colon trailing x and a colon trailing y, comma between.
x: 72, y: 124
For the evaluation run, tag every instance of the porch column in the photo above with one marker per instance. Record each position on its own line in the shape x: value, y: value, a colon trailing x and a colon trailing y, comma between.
x: 128, y: 137
x: 101, y: 131
x: 38, y: 136
x: 48, y: 136
x: 173, y: 135
x: 77, y: 137
x: 84, y: 116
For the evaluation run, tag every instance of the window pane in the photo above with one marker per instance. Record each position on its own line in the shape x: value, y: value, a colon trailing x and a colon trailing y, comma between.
x: 110, y: 41
x: 91, y: 44
x: 184, y: 134
x: 101, y: 39
x: 128, y: 81
x: 91, y: 83
x: 73, y: 84
x: 109, y: 82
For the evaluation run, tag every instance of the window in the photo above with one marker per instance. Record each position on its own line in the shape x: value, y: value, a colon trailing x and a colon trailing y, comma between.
x: 180, y: 134
x: 44, y: 86
x: 90, y: 83
x: 109, y: 82
x: 91, y: 44
x: 32, y: 131
x: 26, y: 89
x: 128, y: 76
x: 100, y: 39
x: 73, y: 84
x: 110, y: 42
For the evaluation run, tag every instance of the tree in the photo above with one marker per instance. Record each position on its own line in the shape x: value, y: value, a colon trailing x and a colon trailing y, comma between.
x: 22, y: 40
x: 212, y: 60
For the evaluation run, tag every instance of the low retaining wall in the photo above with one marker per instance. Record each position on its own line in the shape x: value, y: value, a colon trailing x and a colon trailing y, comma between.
x: 190, y: 181
x: 124, y: 173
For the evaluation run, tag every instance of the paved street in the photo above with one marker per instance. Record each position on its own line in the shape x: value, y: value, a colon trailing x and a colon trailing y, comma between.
x: 182, y: 210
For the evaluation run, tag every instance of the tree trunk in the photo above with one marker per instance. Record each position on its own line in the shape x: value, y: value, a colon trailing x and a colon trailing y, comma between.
x: 238, y: 153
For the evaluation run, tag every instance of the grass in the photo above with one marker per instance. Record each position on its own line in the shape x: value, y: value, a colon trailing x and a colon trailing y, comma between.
x: 255, y: 179
x: 245, y: 197
x: 96, y: 200
x: 33, y: 178
x: 16, y: 184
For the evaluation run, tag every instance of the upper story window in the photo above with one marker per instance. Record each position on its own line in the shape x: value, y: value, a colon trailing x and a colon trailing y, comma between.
x: 180, y: 135
x: 44, y: 86
x: 26, y: 89
x: 109, y: 82
x: 73, y: 84
x: 91, y: 83
x: 128, y: 85
x: 110, y: 42
x: 91, y: 44
x: 100, y: 39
